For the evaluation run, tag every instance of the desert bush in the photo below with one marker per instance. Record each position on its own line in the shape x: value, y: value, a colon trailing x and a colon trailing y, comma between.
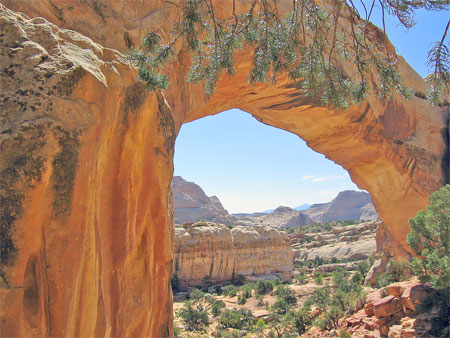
x: 196, y: 294
x: 330, y: 318
x: 229, y: 290
x: 430, y: 240
x: 264, y: 287
x: 318, y: 279
x: 301, y: 278
x: 301, y: 320
x: 357, y: 278
x: 216, y: 306
x: 236, y: 319
x: 259, y: 300
x: 395, y: 272
x: 280, y: 307
x: 222, y: 333
x: 194, y: 315
x: 286, y: 293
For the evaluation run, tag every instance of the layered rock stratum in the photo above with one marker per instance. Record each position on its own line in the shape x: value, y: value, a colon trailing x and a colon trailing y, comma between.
x: 190, y: 204
x: 206, y: 251
x: 87, y: 161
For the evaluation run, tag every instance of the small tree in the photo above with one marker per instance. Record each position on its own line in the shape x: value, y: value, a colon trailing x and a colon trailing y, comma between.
x: 430, y: 240
x: 193, y: 315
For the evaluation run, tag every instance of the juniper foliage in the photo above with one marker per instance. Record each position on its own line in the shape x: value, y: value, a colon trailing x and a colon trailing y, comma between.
x: 311, y: 44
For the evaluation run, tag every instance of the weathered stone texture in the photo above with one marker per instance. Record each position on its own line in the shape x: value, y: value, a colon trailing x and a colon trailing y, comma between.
x: 206, y: 251
x: 97, y: 261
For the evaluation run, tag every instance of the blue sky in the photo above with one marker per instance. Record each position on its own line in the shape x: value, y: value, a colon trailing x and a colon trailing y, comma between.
x: 253, y: 167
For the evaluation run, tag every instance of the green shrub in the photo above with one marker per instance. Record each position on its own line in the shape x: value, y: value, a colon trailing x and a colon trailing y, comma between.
x: 301, y: 278
x: 430, y: 240
x: 216, y: 306
x: 395, y: 272
x: 176, y: 331
x: 196, y: 294
x: 242, y: 299
x: 229, y: 290
x: 280, y: 306
x: 236, y: 319
x: 194, y: 316
x: 363, y: 268
x: 357, y: 278
x: 301, y: 320
x: 318, y: 279
x: 286, y: 293
x: 222, y: 333
x: 247, y: 289
x: 264, y: 287
x: 330, y: 318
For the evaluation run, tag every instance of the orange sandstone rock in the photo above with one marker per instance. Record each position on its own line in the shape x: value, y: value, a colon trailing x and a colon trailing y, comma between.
x: 94, y: 237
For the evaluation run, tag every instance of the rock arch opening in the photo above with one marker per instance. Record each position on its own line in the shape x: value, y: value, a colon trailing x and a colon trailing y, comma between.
x: 67, y: 96
x: 264, y: 181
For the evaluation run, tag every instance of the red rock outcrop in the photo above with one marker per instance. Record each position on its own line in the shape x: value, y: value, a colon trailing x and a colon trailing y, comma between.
x: 212, y: 251
x: 88, y: 154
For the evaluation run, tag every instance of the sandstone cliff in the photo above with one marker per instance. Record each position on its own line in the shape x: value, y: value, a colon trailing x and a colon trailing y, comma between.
x: 190, y: 204
x: 87, y: 156
x: 212, y: 251
x: 348, y: 205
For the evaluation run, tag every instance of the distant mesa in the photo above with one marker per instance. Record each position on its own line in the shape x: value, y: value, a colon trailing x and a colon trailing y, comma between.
x: 191, y: 204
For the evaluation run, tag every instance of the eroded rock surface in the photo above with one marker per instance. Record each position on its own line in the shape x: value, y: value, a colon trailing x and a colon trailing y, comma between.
x: 352, y: 242
x: 206, y: 251
x: 190, y: 204
x: 81, y: 141
x: 88, y: 154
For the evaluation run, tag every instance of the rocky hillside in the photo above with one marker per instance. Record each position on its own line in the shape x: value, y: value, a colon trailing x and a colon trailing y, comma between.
x: 281, y: 217
x: 213, y: 252
x: 191, y: 204
x: 348, y: 205
x: 351, y: 242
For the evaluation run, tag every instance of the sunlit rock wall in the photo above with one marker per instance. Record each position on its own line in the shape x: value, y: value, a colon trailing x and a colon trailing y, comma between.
x: 87, y: 162
x: 206, y: 251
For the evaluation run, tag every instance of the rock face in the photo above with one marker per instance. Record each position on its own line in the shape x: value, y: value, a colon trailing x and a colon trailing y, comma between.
x: 190, y: 204
x: 348, y: 205
x: 87, y: 161
x: 281, y: 217
x: 352, y: 242
x: 212, y: 251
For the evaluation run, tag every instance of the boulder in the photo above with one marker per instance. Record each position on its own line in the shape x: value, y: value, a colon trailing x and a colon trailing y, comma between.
x: 387, y: 306
x: 414, y: 294
x: 396, y: 290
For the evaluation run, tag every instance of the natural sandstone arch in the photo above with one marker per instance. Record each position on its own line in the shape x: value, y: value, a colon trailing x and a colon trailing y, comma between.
x: 94, y: 234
